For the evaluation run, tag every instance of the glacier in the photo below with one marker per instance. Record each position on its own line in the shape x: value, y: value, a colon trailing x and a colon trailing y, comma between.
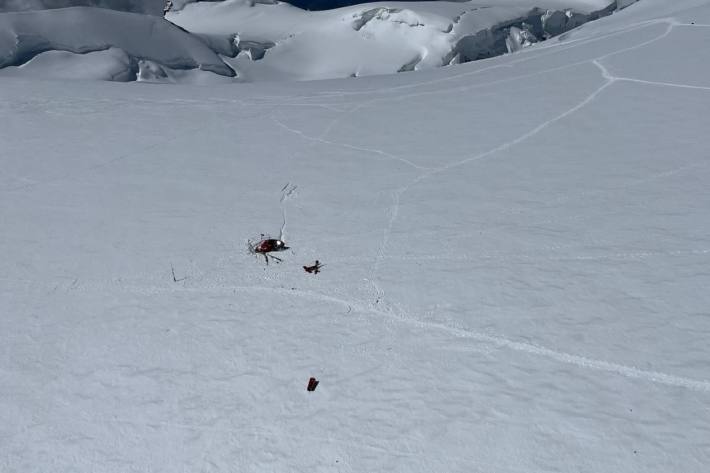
x: 515, y: 260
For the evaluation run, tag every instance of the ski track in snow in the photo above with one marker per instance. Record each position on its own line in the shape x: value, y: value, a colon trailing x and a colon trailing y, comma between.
x: 661, y: 84
x: 538, y: 255
x: 398, y: 194
x: 554, y: 48
x: 393, y: 212
x: 215, y: 287
x: 358, y: 105
x: 609, y: 80
x: 287, y: 192
x: 346, y: 145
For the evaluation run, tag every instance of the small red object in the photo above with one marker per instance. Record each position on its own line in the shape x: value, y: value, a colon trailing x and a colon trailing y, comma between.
x: 266, y: 246
x: 315, y: 269
x: 269, y: 245
x: 312, y: 384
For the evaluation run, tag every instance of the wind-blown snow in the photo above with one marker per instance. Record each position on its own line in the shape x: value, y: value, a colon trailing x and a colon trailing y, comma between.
x: 515, y: 266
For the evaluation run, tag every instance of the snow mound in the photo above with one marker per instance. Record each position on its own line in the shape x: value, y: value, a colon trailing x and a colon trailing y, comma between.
x: 125, y: 38
x: 286, y: 43
x: 111, y: 64
x: 150, y: 7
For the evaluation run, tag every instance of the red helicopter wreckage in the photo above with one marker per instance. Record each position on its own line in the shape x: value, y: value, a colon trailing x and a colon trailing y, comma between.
x: 265, y: 246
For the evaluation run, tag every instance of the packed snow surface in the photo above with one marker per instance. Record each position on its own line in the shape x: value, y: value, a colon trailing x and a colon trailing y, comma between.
x: 515, y: 268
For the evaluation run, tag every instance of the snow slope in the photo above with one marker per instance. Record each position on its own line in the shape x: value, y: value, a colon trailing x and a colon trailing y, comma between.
x: 515, y: 277
x: 374, y: 38
x: 139, y: 42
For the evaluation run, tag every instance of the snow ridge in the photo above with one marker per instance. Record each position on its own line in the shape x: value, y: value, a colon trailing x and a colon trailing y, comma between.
x: 409, y: 36
x: 26, y: 36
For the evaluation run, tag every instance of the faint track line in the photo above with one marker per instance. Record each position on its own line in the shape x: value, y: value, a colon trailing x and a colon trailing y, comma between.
x: 394, y: 213
x: 539, y: 256
x: 523, y: 347
x: 579, y: 361
x: 347, y: 146
x: 555, y: 48
x: 399, y: 193
x: 287, y: 192
x: 608, y: 81
x: 662, y: 84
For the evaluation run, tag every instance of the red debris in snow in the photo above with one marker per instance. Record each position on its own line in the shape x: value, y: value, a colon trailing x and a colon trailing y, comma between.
x: 312, y: 384
x: 270, y: 244
x: 266, y: 246
x: 315, y: 269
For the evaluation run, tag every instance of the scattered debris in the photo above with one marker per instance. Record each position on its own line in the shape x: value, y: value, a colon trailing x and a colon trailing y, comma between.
x: 315, y: 269
x: 287, y: 191
x: 312, y: 384
x: 172, y: 269
x: 266, y: 245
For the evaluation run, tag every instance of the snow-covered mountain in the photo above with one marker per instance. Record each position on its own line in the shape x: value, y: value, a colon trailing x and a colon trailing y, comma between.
x: 150, y: 7
x: 85, y: 42
x: 515, y: 263
x: 273, y: 40
x: 270, y: 40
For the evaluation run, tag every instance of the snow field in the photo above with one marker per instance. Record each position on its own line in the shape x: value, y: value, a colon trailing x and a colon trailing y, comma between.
x: 515, y: 255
